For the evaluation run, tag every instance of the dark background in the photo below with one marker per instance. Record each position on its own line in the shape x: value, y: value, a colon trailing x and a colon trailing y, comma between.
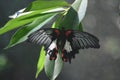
x: 102, y: 19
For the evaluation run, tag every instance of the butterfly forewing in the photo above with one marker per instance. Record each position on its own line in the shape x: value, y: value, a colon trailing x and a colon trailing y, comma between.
x: 42, y: 37
x: 46, y: 37
x: 85, y: 40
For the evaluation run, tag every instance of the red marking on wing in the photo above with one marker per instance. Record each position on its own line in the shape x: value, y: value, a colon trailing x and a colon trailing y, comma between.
x: 68, y: 33
x: 65, y: 60
x: 63, y: 51
x: 64, y: 56
x: 52, y: 58
x: 56, y: 51
x: 57, y: 32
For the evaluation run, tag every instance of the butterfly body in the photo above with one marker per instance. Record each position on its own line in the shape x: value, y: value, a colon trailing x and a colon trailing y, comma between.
x: 67, y: 42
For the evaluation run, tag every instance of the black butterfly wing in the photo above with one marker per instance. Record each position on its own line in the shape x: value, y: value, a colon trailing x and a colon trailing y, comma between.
x: 75, y: 40
x: 46, y: 37
x: 82, y: 40
x: 41, y: 37
x: 78, y: 40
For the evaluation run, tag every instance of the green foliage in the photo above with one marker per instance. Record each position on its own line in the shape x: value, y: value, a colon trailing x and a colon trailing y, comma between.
x: 35, y: 16
x: 74, y: 15
x: 22, y: 20
x: 46, y: 5
x: 22, y: 34
x: 53, y: 68
x: 41, y: 61
x: 17, y: 22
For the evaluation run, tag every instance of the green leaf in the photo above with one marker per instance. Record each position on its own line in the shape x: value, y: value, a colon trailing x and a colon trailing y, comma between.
x: 80, y: 28
x: 41, y: 61
x: 58, y: 20
x: 46, y: 5
x: 17, y: 22
x: 74, y: 15
x: 22, y: 34
x: 53, y: 68
x: 26, y: 19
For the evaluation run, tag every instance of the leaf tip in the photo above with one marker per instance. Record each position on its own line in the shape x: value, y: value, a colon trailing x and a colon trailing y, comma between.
x: 6, y: 47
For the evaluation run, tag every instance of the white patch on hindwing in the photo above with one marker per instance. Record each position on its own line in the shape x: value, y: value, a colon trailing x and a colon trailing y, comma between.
x: 67, y: 46
x: 52, y: 46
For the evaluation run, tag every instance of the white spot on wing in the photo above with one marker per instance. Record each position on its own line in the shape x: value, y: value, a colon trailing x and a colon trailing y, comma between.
x: 52, y: 46
x: 67, y: 46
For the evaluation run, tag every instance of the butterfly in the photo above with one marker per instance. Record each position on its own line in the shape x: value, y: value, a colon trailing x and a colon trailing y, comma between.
x: 68, y: 42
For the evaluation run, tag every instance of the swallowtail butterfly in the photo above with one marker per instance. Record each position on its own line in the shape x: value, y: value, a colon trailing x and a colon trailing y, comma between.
x: 68, y: 42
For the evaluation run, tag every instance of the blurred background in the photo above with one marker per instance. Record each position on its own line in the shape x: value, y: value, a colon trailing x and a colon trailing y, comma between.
x: 102, y: 19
